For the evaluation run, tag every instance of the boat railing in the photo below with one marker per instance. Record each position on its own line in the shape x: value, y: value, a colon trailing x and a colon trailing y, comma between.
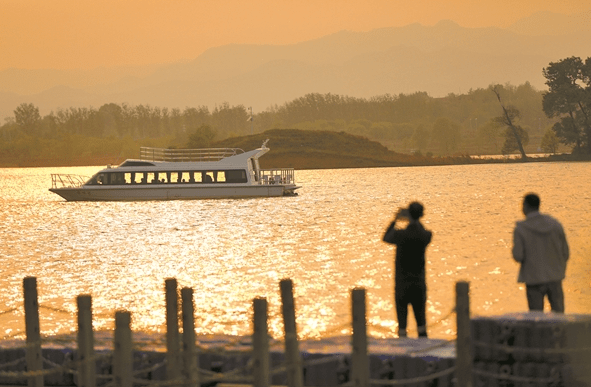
x: 276, y: 176
x: 60, y: 180
x: 187, y: 155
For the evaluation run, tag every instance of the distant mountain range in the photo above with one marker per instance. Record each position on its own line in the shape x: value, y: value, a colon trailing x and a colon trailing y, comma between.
x: 441, y: 59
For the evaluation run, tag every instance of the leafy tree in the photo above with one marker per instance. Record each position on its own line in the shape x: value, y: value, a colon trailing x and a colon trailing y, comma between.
x: 420, y: 138
x: 202, y: 137
x: 111, y: 117
x: 8, y: 130
x: 144, y: 118
x: 488, y: 135
x: 48, y: 127
x: 446, y: 135
x: 176, y: 127
x: 569, y: 99
x: 225, y: 118
x: 194, y: 118
x: 550, y: 141
x: 27, y: 117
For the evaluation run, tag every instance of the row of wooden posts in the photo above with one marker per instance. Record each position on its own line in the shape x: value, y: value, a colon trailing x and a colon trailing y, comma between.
x: 183, y: 364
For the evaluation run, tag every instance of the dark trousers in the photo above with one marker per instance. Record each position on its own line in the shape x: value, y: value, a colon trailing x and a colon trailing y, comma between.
x: 536, y: 294
x: 414, y: 294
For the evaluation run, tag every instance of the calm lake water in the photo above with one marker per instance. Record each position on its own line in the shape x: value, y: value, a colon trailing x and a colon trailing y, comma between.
x: 327, y: 240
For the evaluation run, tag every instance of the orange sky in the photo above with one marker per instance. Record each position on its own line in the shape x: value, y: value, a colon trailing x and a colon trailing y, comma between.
x: 68, y: 34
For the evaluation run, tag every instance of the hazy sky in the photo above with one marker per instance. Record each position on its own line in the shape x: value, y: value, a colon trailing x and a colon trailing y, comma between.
x: 68, y: 34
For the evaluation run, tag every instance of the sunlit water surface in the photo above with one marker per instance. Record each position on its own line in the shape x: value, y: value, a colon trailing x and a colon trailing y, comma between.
x: 327, y: 240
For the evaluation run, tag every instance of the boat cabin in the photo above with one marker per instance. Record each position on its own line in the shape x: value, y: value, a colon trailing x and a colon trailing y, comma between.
x: 169, y: 177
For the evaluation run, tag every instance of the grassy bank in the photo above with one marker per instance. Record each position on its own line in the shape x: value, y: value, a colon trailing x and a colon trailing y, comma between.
x: 290, y: 148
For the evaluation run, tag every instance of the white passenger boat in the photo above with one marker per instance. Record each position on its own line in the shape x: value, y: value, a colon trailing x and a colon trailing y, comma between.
x: 168, y: 174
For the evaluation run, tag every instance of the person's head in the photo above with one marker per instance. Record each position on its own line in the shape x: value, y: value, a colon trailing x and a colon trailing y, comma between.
x: 531, y: 202
x: 415, y: 209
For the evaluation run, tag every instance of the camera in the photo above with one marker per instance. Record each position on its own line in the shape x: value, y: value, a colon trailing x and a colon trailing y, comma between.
x: 403, y: 213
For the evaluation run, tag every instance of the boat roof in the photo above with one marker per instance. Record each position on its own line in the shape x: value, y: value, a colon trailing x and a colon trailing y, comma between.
x: 189, y: 159
x: 180, y: 155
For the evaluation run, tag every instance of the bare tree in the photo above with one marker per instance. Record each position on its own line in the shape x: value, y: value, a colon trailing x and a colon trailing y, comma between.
x: 509, y: 114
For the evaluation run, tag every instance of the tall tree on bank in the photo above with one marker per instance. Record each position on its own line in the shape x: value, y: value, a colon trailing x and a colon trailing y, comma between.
x: 510, y: 113
x: 550, y: 141
x: 569, y: 98
x: 445, y: 135
x: 27, y: 117
x: 202, y: 137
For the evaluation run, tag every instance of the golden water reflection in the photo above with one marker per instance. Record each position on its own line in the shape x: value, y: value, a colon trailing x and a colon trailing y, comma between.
x: 327, y: 240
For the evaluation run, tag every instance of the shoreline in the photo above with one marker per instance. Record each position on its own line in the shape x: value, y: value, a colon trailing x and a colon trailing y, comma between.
x: 320, y: 160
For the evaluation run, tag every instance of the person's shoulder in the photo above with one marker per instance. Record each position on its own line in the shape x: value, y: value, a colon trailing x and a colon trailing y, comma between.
x: 548, y: 216
x: 551, y: 219
x: 423, y: 230
x: 423, y: 227
x: 414, y: 226
x: 520, y: 226
x: 520, y: 223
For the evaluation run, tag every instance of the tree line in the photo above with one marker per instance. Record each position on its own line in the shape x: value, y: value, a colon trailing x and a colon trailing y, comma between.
x: 471, y: 123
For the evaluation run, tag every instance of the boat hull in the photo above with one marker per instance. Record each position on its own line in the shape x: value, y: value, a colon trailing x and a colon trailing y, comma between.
x: 110, y: 193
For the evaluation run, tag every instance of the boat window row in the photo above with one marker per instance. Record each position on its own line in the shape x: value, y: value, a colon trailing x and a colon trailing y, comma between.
x: 173, y: 177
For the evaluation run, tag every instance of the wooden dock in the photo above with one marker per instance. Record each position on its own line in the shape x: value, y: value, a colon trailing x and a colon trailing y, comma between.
x: 523, y: 349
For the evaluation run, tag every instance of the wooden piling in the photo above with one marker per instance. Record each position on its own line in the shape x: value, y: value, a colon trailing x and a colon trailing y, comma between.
x: 359, y: 357
x: 172, y: 331
x: 190, y: 358
x: 34, y: 357
x: 463, y: 341
x: 260, y: 344
x: 123, y: 357
x: 87, y: 368
x: 292, y: 353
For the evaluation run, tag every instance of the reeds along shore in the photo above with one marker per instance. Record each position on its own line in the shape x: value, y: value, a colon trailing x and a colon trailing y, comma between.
x: 504, y: 351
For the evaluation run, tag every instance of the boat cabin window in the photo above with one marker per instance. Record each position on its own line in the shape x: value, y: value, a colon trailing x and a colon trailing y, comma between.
x: 97, y: 179
x: 173, y: 177
x: 235, y: 176
x: 220, y: 177
x: 186, y: 177
x: 134, y: 178
x: 117, y: 178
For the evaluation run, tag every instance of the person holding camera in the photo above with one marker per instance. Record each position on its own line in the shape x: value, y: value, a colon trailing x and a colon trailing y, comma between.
x: 410, y: 286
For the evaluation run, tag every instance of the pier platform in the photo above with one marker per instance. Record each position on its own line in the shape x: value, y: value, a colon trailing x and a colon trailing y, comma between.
x: 517, y: 349
x: 325, y: 362
x: 532, y: 348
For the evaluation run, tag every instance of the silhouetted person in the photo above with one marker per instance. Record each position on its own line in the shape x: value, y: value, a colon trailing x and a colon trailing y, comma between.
x: 410, y: 286
x: 539, y: 244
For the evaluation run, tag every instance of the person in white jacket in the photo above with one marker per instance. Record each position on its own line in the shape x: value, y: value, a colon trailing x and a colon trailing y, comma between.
x: 540, y: 246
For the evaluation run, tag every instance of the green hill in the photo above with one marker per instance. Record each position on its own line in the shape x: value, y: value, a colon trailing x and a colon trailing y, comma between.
x: 306, y: 149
